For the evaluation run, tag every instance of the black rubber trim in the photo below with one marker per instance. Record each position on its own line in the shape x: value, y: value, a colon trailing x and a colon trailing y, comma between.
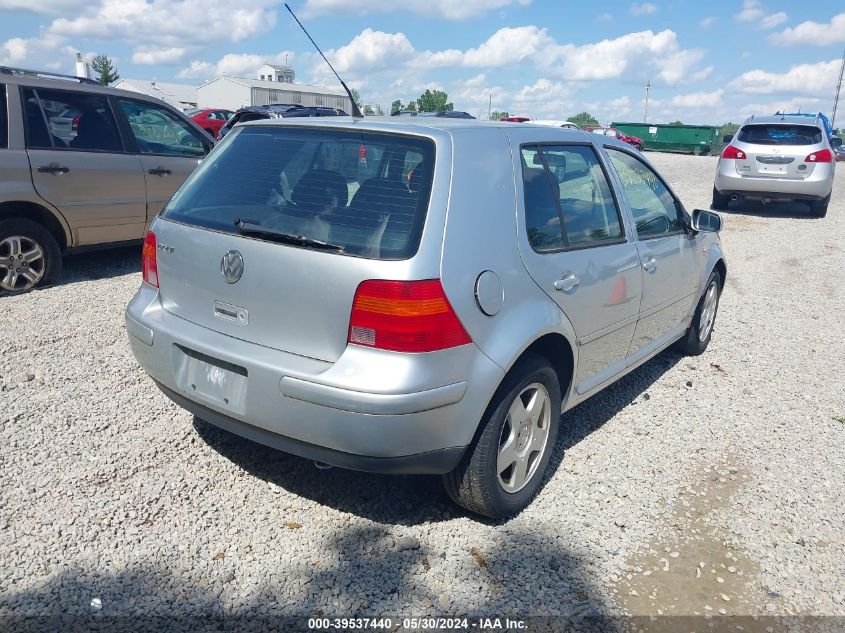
x: 436, y: 462
x: 774, y: 195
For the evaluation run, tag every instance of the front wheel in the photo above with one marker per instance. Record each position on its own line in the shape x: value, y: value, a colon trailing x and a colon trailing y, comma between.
x: 29, y: 256
x: 701, y: 329
x: 503, y: 468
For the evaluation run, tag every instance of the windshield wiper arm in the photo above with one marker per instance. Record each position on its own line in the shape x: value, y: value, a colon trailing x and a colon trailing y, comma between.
x: 248, y: 228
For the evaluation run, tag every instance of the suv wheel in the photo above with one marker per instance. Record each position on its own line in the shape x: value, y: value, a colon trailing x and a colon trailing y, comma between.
x: 819, y: 207
x: 29, y: 256
x: 720, y: 201
x: 503, y: 468
x: 701, y: 329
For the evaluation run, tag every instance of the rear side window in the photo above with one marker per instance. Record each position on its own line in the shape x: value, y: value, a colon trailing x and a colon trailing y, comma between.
x: 365, y: 193
x: 567, y: 182
x: 61, y: 119
x: 780, y: 134
x: 4, y: 118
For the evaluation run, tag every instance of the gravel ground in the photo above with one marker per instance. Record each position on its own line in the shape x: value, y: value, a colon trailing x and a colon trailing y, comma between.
x: 726, y: 466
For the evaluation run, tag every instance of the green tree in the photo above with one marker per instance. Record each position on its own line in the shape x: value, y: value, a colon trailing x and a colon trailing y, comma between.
x: 676, y: 123
x: 356, y: 97
x: 583, y: 119
x: 496, y: 115
x: 368, y: 111
x: 396, y: 106
x: 412, y: 106
x: 729, y: 128
x: 106, y: 72
x: 434, y: 101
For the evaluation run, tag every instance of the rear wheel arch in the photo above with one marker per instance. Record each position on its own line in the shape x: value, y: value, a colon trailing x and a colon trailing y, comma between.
x: 557, y: 350
x: 36, y: 213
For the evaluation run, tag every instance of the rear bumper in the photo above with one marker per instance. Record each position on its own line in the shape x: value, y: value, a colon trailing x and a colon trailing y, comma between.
x: 815, y: 187
x: 370, y: 410
x: 436, y: 462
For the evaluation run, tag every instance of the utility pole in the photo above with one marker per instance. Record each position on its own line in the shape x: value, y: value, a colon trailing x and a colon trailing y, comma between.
x: 645, y: 110
x: 490, y: 107
x: 836, y: 98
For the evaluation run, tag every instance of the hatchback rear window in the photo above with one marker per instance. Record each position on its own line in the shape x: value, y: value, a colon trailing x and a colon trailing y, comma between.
x: 365, y: 194
x: 780, y: 134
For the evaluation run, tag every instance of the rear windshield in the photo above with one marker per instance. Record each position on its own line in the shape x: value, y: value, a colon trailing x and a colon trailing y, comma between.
x: 365, y: 193
x: 780, y: 134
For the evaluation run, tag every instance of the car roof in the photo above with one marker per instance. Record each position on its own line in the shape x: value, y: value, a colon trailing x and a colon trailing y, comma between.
x: 783, y: 120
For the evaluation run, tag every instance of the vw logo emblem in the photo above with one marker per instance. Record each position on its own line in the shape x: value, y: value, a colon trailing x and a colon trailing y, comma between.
x: 232, y: 266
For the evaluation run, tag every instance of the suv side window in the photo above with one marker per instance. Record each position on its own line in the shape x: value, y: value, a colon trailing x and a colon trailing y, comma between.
x: 159, y: 131
x: 4, y: 119
x: 574, y: 188
x: 655, y: 210
x: 75, y: 120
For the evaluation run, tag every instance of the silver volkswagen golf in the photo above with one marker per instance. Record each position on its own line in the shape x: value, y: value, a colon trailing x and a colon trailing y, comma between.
x: 418, y: 295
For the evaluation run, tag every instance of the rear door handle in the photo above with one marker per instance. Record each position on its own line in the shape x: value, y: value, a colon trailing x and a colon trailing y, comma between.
x: 159, y: 171
x: 650, y: 264
x: 53, y: 168
x: 567, y: 282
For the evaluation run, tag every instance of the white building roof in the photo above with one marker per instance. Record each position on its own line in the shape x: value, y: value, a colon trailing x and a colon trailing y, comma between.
x: 270, y: 85
x: 179, y: 95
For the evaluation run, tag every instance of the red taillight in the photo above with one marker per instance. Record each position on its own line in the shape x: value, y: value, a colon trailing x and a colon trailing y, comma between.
x: 404, y: 316
x: 74, y: 123
x: 733, y: 152
x: 149, y: 266
x: 821, y: 156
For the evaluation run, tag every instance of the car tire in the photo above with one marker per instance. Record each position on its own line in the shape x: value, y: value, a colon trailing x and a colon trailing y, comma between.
x: 19, y: 237
x: 700, y: 331
x: 720, y: 201
x: 477, y: 483
x: 819, y: 207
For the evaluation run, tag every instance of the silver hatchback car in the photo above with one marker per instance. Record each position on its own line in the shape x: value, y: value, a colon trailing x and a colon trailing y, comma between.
x: 777, y: 158
x: 418, y: 295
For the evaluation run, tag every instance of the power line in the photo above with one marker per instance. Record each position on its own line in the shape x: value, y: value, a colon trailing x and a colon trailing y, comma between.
x: 838, y: 87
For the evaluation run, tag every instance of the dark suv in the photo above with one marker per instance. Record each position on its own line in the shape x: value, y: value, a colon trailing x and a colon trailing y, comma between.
x: 275, y: 111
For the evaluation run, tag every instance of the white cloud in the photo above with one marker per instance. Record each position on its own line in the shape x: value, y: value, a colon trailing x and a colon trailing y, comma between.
x: 444, y: 9
x: 803, y: 79
x: 643, y: 8
x: 155, y: 55
x: 706, y: 23
x: 751, y: 11
x: 43, y: 52
x: 170, y: 23
x: 813, y: 33
x: 773, y: 20
x: 509, y: 46
x: 13, y: 51
x: 372, y: 50
x: 233, y: 64
x: 698, y: 100
x: 605, y: 17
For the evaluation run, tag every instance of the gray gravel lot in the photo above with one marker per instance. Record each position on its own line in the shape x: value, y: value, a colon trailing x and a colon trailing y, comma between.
x: 726, y: 466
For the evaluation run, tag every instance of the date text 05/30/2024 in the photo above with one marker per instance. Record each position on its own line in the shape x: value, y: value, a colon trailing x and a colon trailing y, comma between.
x: 417, y: 624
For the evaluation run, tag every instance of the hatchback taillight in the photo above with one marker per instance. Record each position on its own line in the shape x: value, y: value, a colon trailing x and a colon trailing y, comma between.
x: 821, y: 156
x: 404, y: 316
x: 733, y: 152
x: 149, y: 266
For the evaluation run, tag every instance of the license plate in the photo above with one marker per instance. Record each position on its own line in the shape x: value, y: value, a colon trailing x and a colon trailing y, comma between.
x: 773, y: 169
x: 217, y: 382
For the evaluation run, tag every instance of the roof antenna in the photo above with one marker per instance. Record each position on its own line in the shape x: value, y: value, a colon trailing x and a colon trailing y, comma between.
x: 356, y: 113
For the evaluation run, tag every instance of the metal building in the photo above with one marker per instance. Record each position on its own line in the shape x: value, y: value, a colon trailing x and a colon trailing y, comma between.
x: 235, y: 92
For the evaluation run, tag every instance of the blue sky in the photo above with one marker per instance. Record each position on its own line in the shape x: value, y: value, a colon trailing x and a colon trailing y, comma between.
x: 708, y: 62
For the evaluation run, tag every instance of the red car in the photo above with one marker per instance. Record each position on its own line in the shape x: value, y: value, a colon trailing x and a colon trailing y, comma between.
x: 515, y: 119
x: 210, y: 119
x: 614, y: 133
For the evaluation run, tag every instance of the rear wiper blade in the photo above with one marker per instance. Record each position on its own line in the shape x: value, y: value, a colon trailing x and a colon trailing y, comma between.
x: 248, y: 228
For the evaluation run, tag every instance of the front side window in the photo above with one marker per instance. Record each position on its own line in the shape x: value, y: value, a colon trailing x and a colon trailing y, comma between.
x: 349, y: 190
x: 567, y: 182
x: 4, y: 118
x: 159, y: 131
x: 61, y: 119
x: 654, y: 208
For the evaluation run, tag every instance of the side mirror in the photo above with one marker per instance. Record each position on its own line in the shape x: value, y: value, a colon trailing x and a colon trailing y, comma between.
x: 836, y: 142
x: 706, y: 221
x: 727, y: 138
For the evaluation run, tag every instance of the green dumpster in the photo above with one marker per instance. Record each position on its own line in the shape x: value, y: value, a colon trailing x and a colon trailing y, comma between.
x: 685, y: 139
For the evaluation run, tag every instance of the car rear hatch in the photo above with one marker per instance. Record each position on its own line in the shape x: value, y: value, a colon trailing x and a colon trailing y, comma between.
x: 778, y: 150
x: 320, y: 211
